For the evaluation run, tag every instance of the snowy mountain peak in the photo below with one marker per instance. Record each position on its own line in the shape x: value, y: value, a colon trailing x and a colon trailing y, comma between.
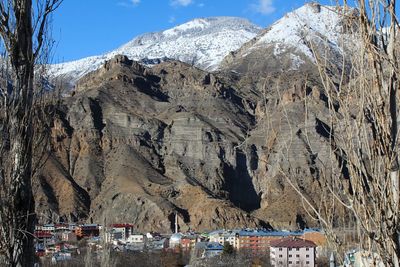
x: 213, y: 24
x: 295, y: 28
x: 201, y: 42
x: 291, y: 43
x: 197, y: 24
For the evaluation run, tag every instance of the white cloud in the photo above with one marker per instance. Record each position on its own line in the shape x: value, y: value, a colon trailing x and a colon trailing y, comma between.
x: 264, y: 7
x: 181, y: 2
x: 129, y: 3
x: 171, y: 19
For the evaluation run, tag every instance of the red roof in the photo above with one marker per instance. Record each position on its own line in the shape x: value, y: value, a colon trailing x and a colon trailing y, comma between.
x: 291, y: 242
x: 43, y: 234
x: 122, y: 225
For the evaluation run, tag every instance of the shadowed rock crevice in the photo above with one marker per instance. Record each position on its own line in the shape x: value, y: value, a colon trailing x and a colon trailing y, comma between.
x: 97, y: 115
x: 50, y: 194
x: 239, y: 184
x: 323, y: 129
x: 145, y: 86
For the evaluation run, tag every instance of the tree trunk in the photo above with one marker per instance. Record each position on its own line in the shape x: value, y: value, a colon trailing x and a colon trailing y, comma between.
x: 21, y: 135
x: 18, y: 132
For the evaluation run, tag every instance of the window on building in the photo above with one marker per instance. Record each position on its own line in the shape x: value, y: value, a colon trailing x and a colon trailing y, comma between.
x: 297, y: 249
x: 297, y: 262
x: 307, y: 256
x: 297, y: 256
x: 307, y: 262
x: 280, y: 249
x: 290, y: 262
x: 307, y: 249
x: 290, y: 249
x: 290, y: 255
x: 280, y: 256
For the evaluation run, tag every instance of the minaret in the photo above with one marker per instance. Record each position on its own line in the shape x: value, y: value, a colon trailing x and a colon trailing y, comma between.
x: 176, y: 222
x: 332, y: 261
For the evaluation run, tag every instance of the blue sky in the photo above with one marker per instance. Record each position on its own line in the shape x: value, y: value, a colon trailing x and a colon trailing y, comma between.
x: 84, y: 28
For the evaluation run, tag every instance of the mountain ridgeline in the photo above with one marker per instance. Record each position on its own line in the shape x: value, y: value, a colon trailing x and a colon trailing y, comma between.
x: 207, y: 119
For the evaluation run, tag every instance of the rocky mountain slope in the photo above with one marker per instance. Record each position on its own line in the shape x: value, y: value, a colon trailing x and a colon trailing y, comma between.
x: 137, y: 144
x: 200, y: 42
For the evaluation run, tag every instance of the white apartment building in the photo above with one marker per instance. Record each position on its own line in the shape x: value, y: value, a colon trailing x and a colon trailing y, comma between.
x: 292, y: 252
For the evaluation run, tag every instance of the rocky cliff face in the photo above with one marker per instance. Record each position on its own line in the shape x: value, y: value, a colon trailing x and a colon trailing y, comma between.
x: 137, y: 144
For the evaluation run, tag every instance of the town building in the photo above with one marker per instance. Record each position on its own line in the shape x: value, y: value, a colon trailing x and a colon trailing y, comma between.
x: 68, y: 237
x: 136, y: 238
x: 157, y: 244
x: 44, y: 237
x: 175, y: 240
x: 258, y: 241
x: 291, y: 252
x: 48, y: 228
x: 61, y: 227
x: 222, y: 236
x: 136, y: 242
x: 208, y: 249
x: 188, y: 242
x: 121, y: 231
x: 87, y: 230
x: 72, y: 226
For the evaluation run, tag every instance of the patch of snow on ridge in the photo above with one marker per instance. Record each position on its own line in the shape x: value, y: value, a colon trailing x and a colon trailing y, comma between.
x: 296, y: 62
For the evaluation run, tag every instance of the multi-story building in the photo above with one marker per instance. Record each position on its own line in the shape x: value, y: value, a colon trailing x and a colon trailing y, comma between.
x: 222, y: 236
x: 175, y: 240
x: 44, y: 237
x: 136, y: 238
x: 61, y: 227
x: 136, y: 242
x: 72, y: 226
x: 68, y: 237
x: 121, y: 231
x: 258, y: 241
x: 188, y: 242
x: 207, y: 249
x: 292, y: 252
x: 48, y: 228
x: 87, y: 230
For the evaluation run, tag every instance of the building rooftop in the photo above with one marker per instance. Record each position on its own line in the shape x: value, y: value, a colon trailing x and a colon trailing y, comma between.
x: 122, y: 225
x: 268, y: 233
x: 209, y: 246
x: 291, y: 242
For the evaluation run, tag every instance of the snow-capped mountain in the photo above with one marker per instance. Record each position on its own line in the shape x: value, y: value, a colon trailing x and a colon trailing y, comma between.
x: 296, y: 28
x: 292, y: 41
x: 201, y: 42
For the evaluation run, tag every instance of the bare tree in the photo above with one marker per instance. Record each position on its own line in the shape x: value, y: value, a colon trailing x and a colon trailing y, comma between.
x: 23, y: 28
x: 362, y: 175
